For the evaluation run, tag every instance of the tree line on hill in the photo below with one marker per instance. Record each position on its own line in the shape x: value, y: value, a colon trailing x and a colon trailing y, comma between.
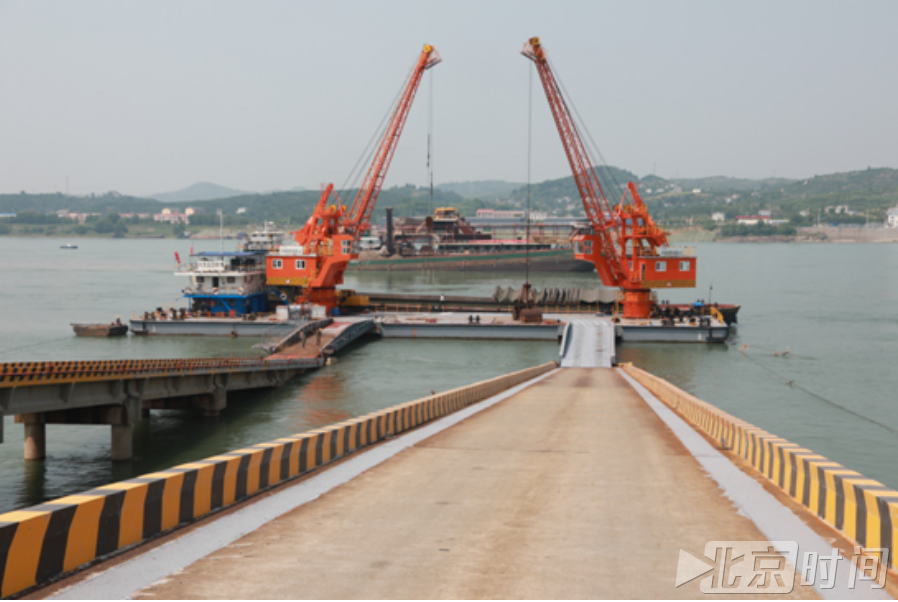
x: 868, y: 194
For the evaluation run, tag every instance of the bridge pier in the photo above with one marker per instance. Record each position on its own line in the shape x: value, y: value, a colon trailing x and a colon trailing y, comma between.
x: 121, y: 442
x: 213, y: 403
x: 121, y: 419
x: 35, y: 437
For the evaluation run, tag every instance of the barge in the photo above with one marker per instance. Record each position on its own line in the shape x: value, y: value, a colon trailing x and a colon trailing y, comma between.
x: 447, y: 241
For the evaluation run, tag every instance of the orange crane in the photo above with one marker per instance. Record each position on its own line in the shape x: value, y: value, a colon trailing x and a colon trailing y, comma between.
x: 323, y: 248
x: 628, y: 250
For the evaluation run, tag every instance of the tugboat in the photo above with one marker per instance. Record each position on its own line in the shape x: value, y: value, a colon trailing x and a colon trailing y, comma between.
x: 68, y: 246
x: 264, y: 240
x: 226, y: 284
x: 227, y: 295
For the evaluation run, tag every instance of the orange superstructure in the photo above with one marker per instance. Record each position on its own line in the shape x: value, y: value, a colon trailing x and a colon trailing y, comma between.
x: 314, y: 266
x: 628, y: 249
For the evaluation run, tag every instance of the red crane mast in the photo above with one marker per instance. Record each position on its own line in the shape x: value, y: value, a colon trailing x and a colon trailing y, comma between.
x: 323, y: 248
x: 628, y: 250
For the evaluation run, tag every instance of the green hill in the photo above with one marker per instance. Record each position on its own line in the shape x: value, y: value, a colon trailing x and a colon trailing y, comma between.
x: 867, y: 193
x: 481, y: 189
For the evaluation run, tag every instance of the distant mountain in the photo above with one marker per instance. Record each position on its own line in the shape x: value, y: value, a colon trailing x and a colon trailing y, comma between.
x: 546, y: 195
x: 486, y: 190
x: 866, y: 181
x: 201, y: 191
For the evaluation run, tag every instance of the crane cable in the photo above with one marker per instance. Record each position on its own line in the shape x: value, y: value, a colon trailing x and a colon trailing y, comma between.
x: 791, y: 383
x: 529, y: 163
x: 430, y: 138
x: 352, y: 180
x: 581, y: 125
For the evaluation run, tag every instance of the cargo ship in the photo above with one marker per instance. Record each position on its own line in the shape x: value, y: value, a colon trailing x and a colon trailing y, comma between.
x: 447, y: 241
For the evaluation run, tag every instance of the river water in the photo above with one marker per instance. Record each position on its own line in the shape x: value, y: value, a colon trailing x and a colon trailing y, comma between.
x: 833, y: 306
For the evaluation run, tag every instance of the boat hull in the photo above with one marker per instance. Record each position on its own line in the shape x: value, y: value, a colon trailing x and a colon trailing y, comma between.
x: 210, y: 327
x: 554, y: 260
x: 100, y: 330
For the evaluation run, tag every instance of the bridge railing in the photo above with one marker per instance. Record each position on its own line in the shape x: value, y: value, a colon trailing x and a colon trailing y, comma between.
x: 16, y: 374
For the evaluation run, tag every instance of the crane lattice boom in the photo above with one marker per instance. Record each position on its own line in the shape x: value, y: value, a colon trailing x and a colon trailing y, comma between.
x: 623, y: 243
x: 323, y: 248
x: 359, y: 215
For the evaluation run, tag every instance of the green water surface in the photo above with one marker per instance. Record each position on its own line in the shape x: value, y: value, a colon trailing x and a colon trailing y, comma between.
x: 833, y: 306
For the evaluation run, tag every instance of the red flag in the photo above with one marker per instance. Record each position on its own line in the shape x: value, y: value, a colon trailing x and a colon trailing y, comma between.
x: 177, y: 258
x: 191, y: 249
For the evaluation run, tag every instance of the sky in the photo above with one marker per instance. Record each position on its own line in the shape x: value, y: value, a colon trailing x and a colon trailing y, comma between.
x: 150, y: 97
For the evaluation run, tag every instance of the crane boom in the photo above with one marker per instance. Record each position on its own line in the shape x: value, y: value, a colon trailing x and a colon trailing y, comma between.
x: 363, y: 205
x: 628, y: 250
x: 314, y: 265
x: 595, y: 204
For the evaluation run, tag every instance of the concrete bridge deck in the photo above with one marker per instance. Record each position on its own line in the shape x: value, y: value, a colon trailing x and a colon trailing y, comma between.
x: 572, y: 487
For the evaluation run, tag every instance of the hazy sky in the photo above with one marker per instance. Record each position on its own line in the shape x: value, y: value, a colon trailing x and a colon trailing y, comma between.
x: 147, y: 97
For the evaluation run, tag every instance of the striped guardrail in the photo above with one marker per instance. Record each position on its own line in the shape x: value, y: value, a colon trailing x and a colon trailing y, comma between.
x: 859, y: 507
x: 16, y: 374
x: 42, y: 543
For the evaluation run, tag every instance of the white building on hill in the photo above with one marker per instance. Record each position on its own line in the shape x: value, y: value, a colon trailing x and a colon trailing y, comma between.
x: 892, y: 218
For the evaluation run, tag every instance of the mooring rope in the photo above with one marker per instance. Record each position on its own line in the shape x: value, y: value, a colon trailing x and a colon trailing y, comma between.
x: 791, y: 383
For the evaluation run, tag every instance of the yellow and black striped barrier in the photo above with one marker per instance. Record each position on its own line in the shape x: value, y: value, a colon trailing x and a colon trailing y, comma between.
x: 41, y: 543
x: 863, y: 509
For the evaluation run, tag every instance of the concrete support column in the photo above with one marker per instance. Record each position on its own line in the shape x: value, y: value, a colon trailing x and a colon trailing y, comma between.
x: 35, y: 439
x: 213, y: 403
x: 121, y: 442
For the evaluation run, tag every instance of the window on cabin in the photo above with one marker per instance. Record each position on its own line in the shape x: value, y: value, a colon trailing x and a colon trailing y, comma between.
x: 200, y: 279
x: 660, y: 266
x: 346, y: 247
x: 277, y: 263
x: 300, y: 264
x: 684, y: 266
x: 232, y: 279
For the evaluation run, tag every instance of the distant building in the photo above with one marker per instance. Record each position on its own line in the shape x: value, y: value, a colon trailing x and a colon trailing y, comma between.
x: 500, y: 213
x: 171, y: 217
x: 7, y: 215
x: 751, y: 220
x: 892, y: 217
x: 764, y: 213
x: 696, y: 191
x: 719, y: 216
x: 75, y: 216
x: 538, y: 216
x: 194, y: 210
x: 241, y: 210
